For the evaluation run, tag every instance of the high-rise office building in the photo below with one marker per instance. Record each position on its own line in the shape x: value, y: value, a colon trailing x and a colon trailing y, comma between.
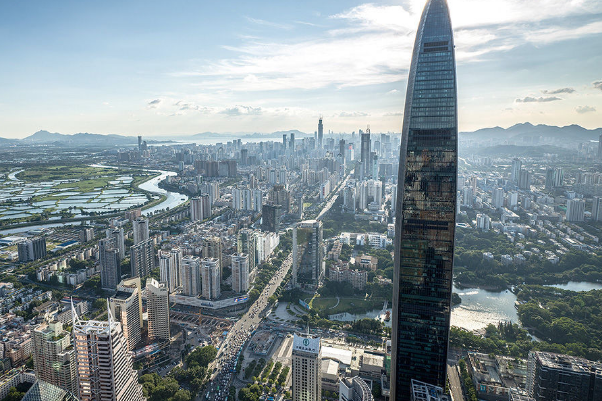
x: 190, y: 276
x: 426, y: 209
x: 157, y: 306
x: 306, y: 372
x: 240, y: 272
x: 169, y: 267
x: 141, y: 230
x: 517, y: 166
x: 284, y: 142
x: 600, y: 147
x: 320, y: 133
x: 32, y: 249
x: 210, y: 276
x: 127, y: 309
x: 110, y: 263
x: 292, y: 143
x: 142, y: 258
x: 366, y: 154
x: 270, y: 217
x: 54, y: 357
x: 563, y: 377
x: 104, y: 365
x: 308, y: 254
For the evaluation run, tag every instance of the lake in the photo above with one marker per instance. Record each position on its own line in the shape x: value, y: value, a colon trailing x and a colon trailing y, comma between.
x: 481, y: 307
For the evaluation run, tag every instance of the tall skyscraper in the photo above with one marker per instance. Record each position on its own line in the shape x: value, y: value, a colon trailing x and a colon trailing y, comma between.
x: 575, y: 210
x: 212, y: 248
x: 126, y: 309
x: 308, y: 254
x: 306, y: 369
x: 196, y: 209
x: 366, y: 153
x: 600, y: 147
x: 119, y: 236
x: 157, y: 306
x: 240, y: 272
x: 110, y: 263
x: 517, y: 166
x: 320, y: 133
x: 190, y: 274
x: 142, y: 258
x: 597, y: 208
x: 54, y: 357
x: 247, y: 244
x: 426, y: 209
x: 32, y: 249
x: 169, y: 267
x: 104, y: 365
x: 270, y: 217
x: 141, y: 230
x: 211, y: 278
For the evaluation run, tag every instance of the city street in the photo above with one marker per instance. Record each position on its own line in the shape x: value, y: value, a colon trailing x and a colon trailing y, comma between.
x: 224, y: 365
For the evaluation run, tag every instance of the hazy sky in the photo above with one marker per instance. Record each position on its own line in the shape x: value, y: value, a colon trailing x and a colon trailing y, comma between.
x: 183, y: 67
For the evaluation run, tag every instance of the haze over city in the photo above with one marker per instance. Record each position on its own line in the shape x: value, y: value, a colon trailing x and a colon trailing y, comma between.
x: 159, y: 68
x: 301, y: 201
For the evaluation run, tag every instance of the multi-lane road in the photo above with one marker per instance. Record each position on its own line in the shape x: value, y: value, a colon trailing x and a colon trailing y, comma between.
x: 223, y: 366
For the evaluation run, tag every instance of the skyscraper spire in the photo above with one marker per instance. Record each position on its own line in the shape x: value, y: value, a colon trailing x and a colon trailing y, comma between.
x: 426, y: 209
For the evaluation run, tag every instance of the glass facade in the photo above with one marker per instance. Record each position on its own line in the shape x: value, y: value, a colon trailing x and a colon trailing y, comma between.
x: 426, y: 209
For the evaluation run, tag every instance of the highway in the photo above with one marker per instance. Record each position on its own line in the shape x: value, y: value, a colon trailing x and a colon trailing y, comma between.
x: 334, y: 198
x: 227, y: 356
x: 223, y: 367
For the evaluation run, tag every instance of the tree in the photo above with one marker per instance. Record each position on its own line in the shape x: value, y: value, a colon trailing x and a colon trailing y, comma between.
x: 201, y: 356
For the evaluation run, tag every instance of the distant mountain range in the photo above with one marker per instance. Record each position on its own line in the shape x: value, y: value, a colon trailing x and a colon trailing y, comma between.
x: 520, y: 134
x: 529, y: 133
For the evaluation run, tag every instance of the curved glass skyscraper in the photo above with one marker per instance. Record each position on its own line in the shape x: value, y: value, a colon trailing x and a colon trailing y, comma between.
x: 426, y: 208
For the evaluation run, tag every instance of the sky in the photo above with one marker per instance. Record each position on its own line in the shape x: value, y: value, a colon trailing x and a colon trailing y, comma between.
x: 184, y: 67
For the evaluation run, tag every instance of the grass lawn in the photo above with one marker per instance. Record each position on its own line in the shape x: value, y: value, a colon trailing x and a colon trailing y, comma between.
x: 85, y: 185
x: 351, y: 305
x: 50, y: 173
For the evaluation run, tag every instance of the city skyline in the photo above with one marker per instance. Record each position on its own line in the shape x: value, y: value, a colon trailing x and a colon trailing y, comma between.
x: 268, y: 67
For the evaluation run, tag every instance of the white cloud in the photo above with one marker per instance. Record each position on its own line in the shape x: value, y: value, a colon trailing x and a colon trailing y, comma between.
x: 585, y: 109
x: 371, y: 44
x: 530, y: 99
